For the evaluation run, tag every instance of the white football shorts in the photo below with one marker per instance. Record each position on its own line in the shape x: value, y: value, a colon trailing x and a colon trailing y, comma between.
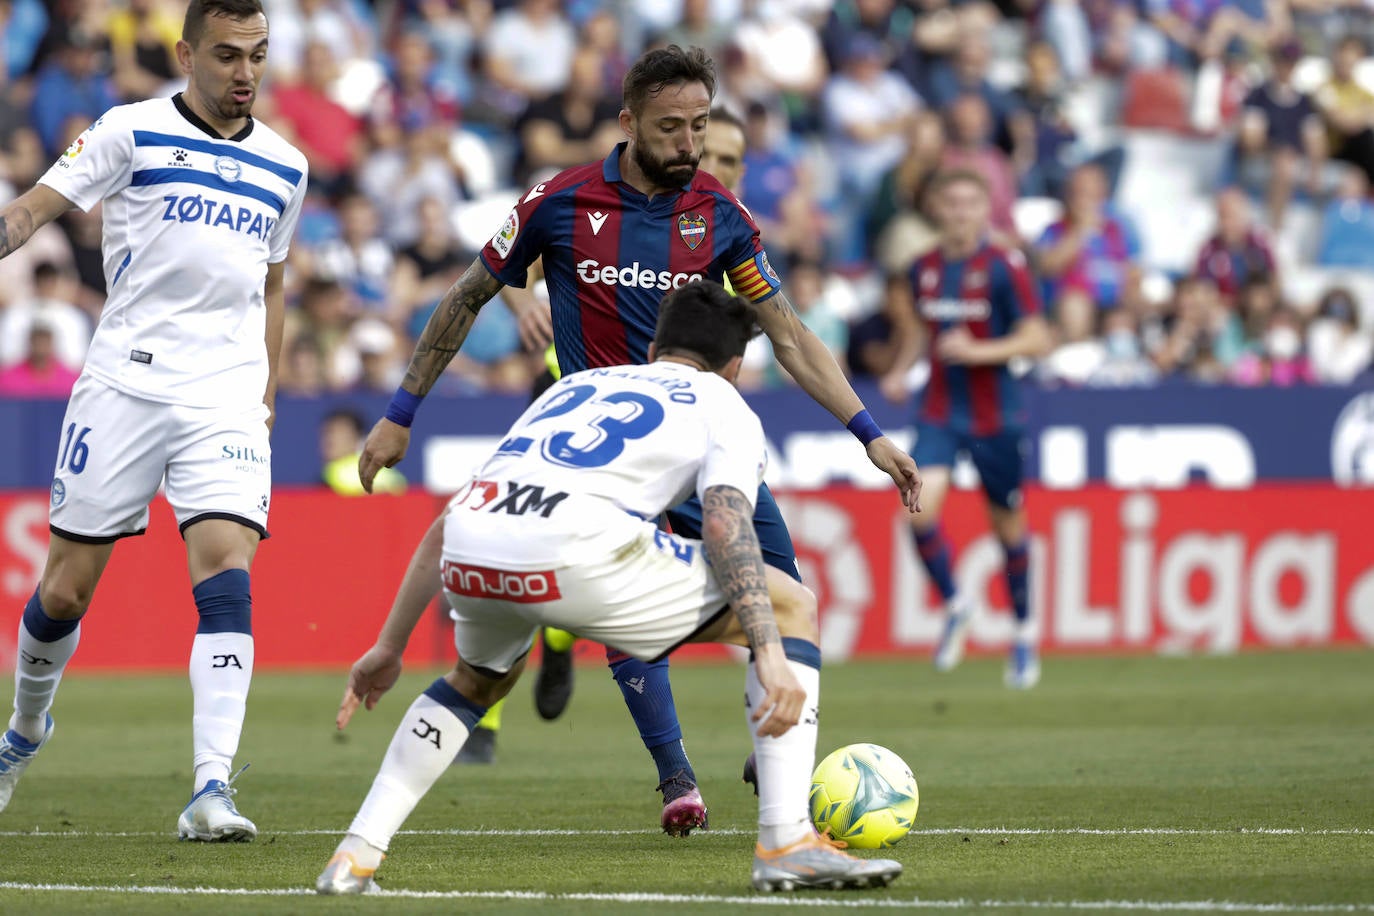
x: 115, y: 449
x: 588, y: 567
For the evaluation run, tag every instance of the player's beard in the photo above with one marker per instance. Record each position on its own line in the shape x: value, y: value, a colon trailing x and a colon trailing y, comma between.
x: 662, y: 174
x: 230, y: 109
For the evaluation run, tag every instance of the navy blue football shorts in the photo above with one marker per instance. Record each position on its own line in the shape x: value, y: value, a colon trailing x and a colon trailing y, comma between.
x: 999, y: 458
x: 774, y: 540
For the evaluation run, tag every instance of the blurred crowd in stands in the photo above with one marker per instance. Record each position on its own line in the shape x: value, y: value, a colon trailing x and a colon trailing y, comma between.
x: 1190, y: 178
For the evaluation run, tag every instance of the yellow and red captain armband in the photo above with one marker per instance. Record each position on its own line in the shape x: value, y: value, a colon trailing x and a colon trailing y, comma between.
x: 754, y: 279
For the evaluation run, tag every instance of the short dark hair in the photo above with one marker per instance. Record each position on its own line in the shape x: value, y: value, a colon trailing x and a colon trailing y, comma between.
x: 194, y: 25
x: 664, y: 67
x: 722, y: 115
x: 704, y: 321
x: 955, y: 176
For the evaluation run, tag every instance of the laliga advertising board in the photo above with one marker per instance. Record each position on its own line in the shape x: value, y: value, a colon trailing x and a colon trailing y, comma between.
x: 1166, y: 571
x: 1189, y: 570
x: 1202, y: 520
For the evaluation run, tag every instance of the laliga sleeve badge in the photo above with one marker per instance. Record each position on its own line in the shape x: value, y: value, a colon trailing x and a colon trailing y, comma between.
x: 504, y: 240
x: 69, y: 156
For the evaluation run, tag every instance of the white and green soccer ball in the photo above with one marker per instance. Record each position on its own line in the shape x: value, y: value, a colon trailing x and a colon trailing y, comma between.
x: 865, y: 795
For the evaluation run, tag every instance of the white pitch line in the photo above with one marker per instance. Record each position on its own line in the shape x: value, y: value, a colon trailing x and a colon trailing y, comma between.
x: 734, y: 831
x: 1172, y: 906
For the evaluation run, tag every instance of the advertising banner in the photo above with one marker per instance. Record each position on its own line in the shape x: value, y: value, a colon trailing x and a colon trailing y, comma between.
x: 1169, y: 571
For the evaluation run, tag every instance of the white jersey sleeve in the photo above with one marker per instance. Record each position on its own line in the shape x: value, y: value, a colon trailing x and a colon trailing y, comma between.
x: 279, y: 241
x: 736, y: 454
x: 96, y: 165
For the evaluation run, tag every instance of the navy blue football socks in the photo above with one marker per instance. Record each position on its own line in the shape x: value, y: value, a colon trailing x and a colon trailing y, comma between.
x: 1018, y: 572
x: 225, y: 603
x: 649, y: 696
x: 935, y: 556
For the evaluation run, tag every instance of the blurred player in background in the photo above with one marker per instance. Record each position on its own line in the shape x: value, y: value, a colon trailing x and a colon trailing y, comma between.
x: 557, y: 528
x: 341, y: 442
x: 200, y: 202
x: 722, y: 149
x: 978, y: 307
x: 614, y: 236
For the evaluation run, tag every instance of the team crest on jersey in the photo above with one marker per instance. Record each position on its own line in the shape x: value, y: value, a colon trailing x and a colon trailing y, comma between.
x: 930, y: 279
x: 59, y: 492
x: 692, y: 228
x: 228, y: 168
x: 975, y: 278
x: 504, y: 240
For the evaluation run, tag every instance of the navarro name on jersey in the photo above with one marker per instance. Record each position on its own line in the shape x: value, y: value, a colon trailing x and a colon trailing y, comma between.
x: 198, y: 209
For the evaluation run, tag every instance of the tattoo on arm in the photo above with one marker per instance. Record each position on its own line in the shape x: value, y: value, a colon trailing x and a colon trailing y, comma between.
x: 16, y: 226
x: 448, y: 327
x: 782, y: 304
x: 733, y: 549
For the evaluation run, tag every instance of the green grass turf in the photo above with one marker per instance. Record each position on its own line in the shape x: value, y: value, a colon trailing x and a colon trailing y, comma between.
x: 1214, y: 747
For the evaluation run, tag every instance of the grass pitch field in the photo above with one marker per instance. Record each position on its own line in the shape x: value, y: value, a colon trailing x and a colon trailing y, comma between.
x: 1241, y: 784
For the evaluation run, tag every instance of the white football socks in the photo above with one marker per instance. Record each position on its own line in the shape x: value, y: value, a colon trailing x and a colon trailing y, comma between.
x: 221, y: 671
x: 428, y: 738
x: 38, y: 670
x: 784, y: 764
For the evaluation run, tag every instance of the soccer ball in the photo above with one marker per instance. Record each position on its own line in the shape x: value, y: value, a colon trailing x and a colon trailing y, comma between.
x: 865, y: 795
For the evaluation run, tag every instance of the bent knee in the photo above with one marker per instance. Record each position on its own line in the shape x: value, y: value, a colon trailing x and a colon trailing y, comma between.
x: 64, y: 599
x: 479, y: 686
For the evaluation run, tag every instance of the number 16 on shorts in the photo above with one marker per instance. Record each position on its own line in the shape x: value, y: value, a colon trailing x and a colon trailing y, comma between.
x: 74, y: 451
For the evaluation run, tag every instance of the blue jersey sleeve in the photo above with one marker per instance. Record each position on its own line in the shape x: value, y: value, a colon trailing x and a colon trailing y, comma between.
x: 751, y: 276
x: 1015, y: 294
x: 521, y: 239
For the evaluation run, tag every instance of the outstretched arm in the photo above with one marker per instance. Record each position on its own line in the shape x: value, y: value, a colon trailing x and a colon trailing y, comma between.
x: 448, y: 327
x: 442, y: 337
x: 732, y: 547
x: 26, y: 214
x: 813, y: 367
x: 807, y: 359
x: 376, y: 672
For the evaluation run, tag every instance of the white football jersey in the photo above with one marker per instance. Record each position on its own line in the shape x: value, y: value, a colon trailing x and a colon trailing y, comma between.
x: 191, y: 222
x: 645, y: 438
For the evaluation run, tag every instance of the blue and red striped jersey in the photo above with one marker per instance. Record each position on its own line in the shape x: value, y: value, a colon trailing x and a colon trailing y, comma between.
x: 987, y: 292
x: 611, y: 254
